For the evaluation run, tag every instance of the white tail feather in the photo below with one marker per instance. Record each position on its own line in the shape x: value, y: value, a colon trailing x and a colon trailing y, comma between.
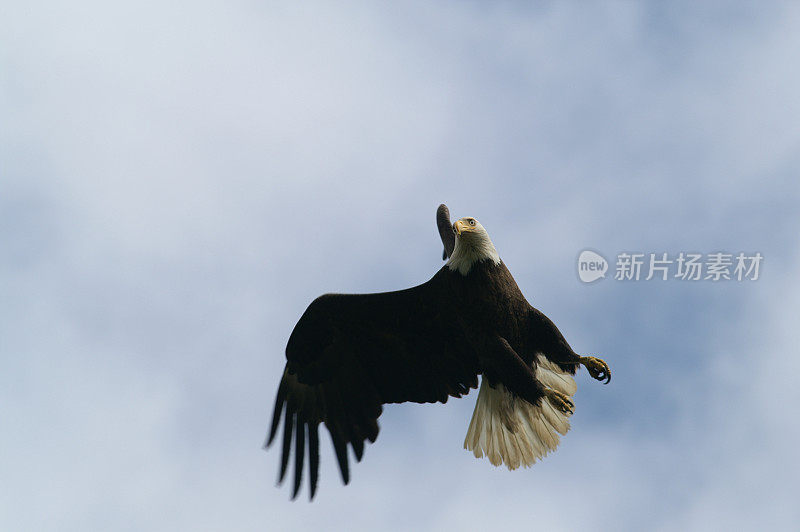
x: 512, y: 431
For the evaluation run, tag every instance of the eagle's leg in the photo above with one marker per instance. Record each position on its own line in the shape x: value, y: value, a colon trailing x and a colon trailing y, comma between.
x: 597, y: 368
x: 502, y: 364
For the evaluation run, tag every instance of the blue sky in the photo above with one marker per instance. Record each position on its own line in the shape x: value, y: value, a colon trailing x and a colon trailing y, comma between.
x: 179, y: 181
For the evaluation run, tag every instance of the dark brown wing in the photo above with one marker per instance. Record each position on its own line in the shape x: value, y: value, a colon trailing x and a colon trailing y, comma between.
x: 445, y: 230
x: 350, y: 354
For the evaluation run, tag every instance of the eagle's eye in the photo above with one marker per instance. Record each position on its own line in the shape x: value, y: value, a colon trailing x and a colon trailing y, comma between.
x: 471, y: 221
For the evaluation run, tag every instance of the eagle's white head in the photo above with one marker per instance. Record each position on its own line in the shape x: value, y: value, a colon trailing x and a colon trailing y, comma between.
x: 472, y: 245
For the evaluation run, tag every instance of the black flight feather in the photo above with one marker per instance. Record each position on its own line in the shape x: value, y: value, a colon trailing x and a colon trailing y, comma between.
x: 287, y: 440
x: 313, y: 457
x: 300, y: 449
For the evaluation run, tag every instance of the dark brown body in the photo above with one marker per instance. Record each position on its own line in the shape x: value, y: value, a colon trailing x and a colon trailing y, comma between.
x: 350, y: 354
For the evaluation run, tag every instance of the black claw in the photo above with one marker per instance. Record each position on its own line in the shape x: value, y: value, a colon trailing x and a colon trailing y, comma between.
x: 601, y: 374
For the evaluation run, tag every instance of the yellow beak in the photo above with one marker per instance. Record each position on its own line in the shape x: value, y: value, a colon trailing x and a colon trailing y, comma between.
x: 460, y: 226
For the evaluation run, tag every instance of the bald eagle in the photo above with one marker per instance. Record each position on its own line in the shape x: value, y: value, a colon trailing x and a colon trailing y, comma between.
x: 351, y: 354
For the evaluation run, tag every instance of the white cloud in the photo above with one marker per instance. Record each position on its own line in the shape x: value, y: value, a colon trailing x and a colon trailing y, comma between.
x: 179, y: 181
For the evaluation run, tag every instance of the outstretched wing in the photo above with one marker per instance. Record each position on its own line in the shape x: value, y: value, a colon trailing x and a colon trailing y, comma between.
x: 445, y: 230
x: 350, y: 354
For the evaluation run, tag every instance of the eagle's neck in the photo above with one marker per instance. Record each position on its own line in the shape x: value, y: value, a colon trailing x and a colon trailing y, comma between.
x: 471, y: 249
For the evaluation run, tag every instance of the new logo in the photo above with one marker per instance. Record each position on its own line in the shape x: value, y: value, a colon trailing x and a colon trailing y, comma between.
x: 591, y: 266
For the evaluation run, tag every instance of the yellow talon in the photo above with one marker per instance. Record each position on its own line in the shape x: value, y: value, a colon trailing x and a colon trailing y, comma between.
x: 561, y: 401
x: 597, y: 368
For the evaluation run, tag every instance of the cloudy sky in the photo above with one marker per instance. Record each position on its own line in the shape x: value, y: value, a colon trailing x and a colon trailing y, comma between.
x: 178, y: 181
